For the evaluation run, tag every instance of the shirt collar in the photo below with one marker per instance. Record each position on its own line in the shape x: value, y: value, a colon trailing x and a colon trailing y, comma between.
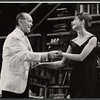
x: 19, y: 32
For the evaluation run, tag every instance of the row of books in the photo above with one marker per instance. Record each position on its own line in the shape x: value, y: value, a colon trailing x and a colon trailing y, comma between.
x: 90, y: 8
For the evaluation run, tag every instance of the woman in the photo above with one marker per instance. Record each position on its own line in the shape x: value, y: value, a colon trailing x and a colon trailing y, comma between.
x: 84, y: 77
x: 84, y: 82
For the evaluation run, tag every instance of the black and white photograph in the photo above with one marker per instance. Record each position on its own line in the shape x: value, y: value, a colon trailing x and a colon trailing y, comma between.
x: 49, y: 50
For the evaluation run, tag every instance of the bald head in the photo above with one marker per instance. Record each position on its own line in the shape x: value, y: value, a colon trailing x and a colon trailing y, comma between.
x: 22, y: 16
x: 24, y: 22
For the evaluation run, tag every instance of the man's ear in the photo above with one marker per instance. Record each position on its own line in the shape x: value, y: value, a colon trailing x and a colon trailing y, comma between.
x: 20, y: 21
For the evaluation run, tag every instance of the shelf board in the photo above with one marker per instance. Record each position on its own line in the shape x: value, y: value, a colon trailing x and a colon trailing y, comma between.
x: 50, y: 44
x: 68, y: 17
x: 31, y: 35
x: 59, y: 34
x: 39, y: 77
x: 60, y: 18
x: 34, y: 35
x: 96, y: 22
x: 38, y: 85
x: 58, y: 87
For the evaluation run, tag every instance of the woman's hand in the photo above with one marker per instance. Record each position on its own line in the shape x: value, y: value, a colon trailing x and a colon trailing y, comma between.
x: 55, y: 54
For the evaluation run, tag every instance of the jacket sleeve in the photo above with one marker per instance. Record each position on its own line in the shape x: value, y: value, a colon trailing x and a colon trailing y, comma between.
x: 18, y: 48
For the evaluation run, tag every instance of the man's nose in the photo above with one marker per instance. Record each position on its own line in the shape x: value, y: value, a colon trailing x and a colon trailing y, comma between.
x: 31, y: 24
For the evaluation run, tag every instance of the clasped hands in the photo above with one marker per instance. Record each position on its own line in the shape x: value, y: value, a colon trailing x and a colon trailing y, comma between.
x: 51, y: 55
x: 54, y: 54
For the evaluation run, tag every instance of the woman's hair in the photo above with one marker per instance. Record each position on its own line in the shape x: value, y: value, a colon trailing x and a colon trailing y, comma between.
x: 86, y: 17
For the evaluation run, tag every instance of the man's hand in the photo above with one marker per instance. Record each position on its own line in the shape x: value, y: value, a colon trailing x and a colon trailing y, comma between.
x: 54, y: 54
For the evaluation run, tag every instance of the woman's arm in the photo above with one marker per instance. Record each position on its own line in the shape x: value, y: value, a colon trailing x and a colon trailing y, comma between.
x: 85, y: 52
x: 60, y: 63
x: 65, y: 59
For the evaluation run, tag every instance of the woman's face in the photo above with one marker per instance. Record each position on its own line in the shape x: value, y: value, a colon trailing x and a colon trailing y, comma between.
x: 76, y: 24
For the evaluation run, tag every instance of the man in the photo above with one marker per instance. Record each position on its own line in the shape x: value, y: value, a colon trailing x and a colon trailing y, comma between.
x: 17, y: 57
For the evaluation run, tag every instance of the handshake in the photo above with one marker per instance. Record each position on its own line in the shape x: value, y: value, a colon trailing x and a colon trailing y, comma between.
x: 54, y: 55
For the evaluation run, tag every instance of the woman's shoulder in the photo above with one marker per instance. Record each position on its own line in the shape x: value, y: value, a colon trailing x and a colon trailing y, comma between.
x: 90, y: 34
x: 92, y: 40
x: 91, y: 37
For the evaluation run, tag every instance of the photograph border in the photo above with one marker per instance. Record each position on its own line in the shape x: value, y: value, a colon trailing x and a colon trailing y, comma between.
x: 51, y: 1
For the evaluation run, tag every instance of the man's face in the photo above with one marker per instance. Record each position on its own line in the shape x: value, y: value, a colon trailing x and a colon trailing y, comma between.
x: 27, y: 24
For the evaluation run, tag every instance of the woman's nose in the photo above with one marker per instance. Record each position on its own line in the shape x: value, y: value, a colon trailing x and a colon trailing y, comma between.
x: 71, y: 22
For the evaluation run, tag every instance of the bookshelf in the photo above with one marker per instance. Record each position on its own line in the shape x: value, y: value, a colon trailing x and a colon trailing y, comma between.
x: 91, y: 8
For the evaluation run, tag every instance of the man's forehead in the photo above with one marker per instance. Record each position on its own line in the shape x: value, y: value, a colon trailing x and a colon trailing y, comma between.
x: 27, y: 16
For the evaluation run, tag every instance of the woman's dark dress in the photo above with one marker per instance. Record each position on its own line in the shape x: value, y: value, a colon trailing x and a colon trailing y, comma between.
x: 84, y: 81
